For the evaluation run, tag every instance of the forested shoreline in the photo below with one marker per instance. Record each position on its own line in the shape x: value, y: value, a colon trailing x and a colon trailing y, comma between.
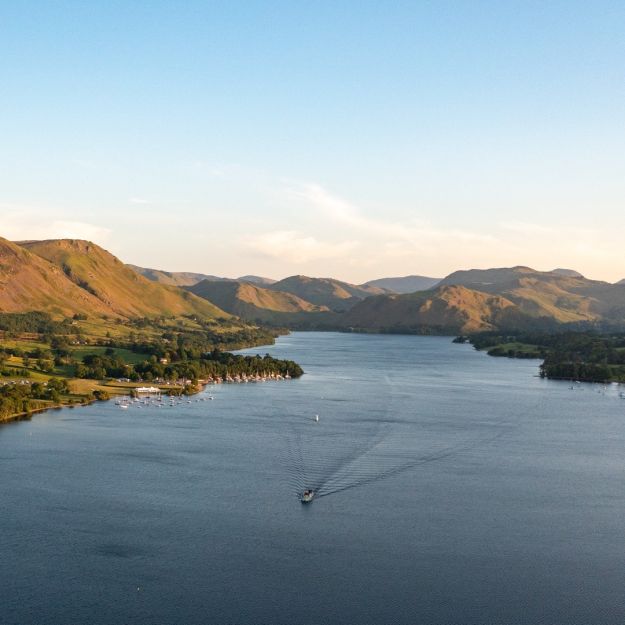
x: 46, y: 362
x: 580, y: 356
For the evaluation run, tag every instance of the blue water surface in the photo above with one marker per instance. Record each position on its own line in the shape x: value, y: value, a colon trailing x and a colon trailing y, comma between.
x: 451, y: 487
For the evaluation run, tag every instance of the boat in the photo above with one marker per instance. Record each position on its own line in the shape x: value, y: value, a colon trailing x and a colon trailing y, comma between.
x: 307, y: 496
x: 316, y: 418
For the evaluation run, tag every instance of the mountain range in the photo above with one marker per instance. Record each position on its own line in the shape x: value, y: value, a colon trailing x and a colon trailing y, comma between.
x: 464, y: 301
x: 254, y: 303
x: 505, y: 298
x: 405, y: 284
x: 66, y: 276
x: 188, y: 278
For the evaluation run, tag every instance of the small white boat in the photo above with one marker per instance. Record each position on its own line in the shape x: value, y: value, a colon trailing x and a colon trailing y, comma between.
x: 316, y: 418
x: 307, y: 496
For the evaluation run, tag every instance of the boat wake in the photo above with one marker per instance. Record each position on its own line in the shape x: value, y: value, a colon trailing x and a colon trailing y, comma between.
x: 344, y: 453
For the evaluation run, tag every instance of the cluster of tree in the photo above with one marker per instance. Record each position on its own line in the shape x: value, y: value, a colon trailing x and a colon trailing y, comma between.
x: 182, y: 361
x: 107, y: 365
x: 180, y: 344
x: 586, y: 356
x: 221, y: 363
x: 23, y: 398
x: 213, y: 364
x: 32, y: 322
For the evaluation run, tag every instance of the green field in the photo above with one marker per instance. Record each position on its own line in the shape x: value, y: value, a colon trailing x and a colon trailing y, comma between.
x: 80, y: 351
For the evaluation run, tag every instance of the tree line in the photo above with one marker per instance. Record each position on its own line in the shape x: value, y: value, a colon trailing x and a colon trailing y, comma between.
x: 23, y: 398
x: 584, y: 356
x: 215, y: 364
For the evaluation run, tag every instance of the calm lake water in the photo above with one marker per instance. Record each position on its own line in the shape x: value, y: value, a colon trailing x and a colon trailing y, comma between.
x: 452, y: 488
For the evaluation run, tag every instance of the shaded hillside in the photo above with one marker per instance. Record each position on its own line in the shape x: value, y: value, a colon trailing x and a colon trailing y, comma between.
x: 115, y: 286
x: 29, y: 282
x: 336, y: 295
x: 172, y: 278
x: 254, y: 303
x: 566, y: 299
x: 447, y: 310
x: 406, y: 284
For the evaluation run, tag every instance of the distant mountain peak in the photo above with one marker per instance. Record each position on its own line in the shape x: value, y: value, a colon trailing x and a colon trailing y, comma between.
x: 173, y: 278
x: 335, y: 294
x: 256, y: 280
x: 405, y: 284
x: 567, y: 273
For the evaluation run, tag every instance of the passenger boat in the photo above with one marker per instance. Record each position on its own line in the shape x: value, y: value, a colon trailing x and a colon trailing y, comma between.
x: 307, y: 496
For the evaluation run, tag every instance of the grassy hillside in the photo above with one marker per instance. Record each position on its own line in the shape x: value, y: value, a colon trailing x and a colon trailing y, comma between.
x: 336, y: 295
x: 448, y: 310
x: 120, y: 289
x: 565, y: 298
x: 255, y: 303
x: 29, y: 282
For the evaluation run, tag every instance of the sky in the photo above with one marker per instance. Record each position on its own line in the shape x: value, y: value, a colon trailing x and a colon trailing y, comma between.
x: 356, y: 140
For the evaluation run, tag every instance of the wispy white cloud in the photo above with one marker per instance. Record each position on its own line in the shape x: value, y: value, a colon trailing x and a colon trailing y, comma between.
x: 394, y: 238
x: 418, y: 245
x: 294, y: 247
x: 341, y: 211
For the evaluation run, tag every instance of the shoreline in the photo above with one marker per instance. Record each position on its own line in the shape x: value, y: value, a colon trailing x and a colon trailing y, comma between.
x: 162, y: 390
x: 27, y: 416
x: 115, y: 388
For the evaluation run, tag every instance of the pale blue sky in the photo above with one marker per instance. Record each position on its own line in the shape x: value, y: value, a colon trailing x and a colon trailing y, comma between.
x: 352, y: 139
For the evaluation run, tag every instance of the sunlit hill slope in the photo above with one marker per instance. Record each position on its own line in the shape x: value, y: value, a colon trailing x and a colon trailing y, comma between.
x: 254, y: 303
x: 66, y: 275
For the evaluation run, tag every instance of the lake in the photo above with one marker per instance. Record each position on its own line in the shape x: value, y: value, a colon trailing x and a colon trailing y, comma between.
x: 452, y: 488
